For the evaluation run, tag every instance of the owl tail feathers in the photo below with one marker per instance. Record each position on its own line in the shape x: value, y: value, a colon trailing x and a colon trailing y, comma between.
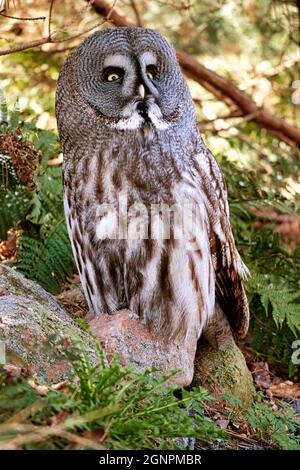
x: 231, y: 296
x: 241, y: 327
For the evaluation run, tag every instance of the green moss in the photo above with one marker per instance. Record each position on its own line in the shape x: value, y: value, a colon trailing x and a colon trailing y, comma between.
x: 223, y: 371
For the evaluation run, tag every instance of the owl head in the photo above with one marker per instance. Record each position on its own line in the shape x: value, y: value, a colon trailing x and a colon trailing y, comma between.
x: 130, y: 77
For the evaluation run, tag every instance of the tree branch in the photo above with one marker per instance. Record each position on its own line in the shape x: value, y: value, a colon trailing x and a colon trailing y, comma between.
x: 222, y: 88
x: 50, y: 39
x: 264, y: 119
x: 26, y: 45
x: 104, y: 8
x: 22, y: 19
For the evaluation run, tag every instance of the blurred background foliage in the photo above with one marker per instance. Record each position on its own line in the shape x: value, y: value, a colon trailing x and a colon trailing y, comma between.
x: 253, y: 43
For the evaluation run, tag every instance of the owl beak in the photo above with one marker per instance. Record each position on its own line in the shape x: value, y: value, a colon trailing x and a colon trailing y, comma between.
x: 141, y: 91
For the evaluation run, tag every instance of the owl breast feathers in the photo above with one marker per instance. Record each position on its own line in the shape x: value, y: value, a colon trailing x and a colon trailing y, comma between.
x: 145, y: 201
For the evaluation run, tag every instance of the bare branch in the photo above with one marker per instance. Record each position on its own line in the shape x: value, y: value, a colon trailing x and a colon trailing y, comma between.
x: 109, y: 14
x: 26, y: 45
x: 234, y: 115
x: 75, y: 36
x: 22, y: 19
x: 103, y: 8
x: 56, y: 50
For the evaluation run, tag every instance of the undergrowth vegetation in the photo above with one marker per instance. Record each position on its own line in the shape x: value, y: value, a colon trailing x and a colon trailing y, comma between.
x: 274, y: 286
x: 105, y: 405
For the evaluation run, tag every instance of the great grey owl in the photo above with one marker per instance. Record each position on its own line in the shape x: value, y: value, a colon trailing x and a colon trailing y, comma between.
x: 145, y: 200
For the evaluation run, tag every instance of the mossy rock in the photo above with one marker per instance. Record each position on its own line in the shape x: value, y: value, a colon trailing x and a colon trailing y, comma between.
x: 35, y: 329
x: 223, y: 371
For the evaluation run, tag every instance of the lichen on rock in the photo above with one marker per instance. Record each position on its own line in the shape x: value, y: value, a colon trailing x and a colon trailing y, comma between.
x: 34, y: 327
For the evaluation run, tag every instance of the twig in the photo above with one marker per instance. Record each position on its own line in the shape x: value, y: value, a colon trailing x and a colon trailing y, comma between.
x: 103, y: 8
x: 247, y: 439
x: 111, y: 10
x: 22, y: 19
x: 239, y: 136
x: 49, y: 19
x: 75, y: 36
x: 273, y: 72
x: 234, y: 115
x: 26, y: 45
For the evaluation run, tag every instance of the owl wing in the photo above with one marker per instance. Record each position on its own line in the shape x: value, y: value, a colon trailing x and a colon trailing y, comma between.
x: 228, y: 265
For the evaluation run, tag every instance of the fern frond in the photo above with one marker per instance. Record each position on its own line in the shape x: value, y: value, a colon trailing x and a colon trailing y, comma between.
x: 51, y: 260
x: 47, y: 260
x: 277, y: 300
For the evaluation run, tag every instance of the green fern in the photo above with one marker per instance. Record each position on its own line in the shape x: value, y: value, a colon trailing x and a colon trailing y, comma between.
x: 135, y: 410
x: 48, y: 261
x: 277, y: 426
x: 44, y: 251
x: 15, y: 198
x: 277, y: 300
x: 51, y: 259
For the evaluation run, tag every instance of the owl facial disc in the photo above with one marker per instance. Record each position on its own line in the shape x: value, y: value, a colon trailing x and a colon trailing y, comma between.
x: 133, y: 84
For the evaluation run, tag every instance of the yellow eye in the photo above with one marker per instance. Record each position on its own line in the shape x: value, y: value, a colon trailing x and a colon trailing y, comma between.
x: 151, y: 71
x: 112, y: 77
x: 150, y: 75
x: 112, y: 74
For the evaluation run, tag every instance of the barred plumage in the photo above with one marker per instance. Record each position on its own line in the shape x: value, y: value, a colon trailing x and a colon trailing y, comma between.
x: 132, y: 149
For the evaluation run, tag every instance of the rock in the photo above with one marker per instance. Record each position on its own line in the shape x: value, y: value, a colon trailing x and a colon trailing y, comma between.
x: 29, y: 316
x: 223, y: 370
x: 123, y: 333
x: 15, y: 284
x: 220, y: 365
